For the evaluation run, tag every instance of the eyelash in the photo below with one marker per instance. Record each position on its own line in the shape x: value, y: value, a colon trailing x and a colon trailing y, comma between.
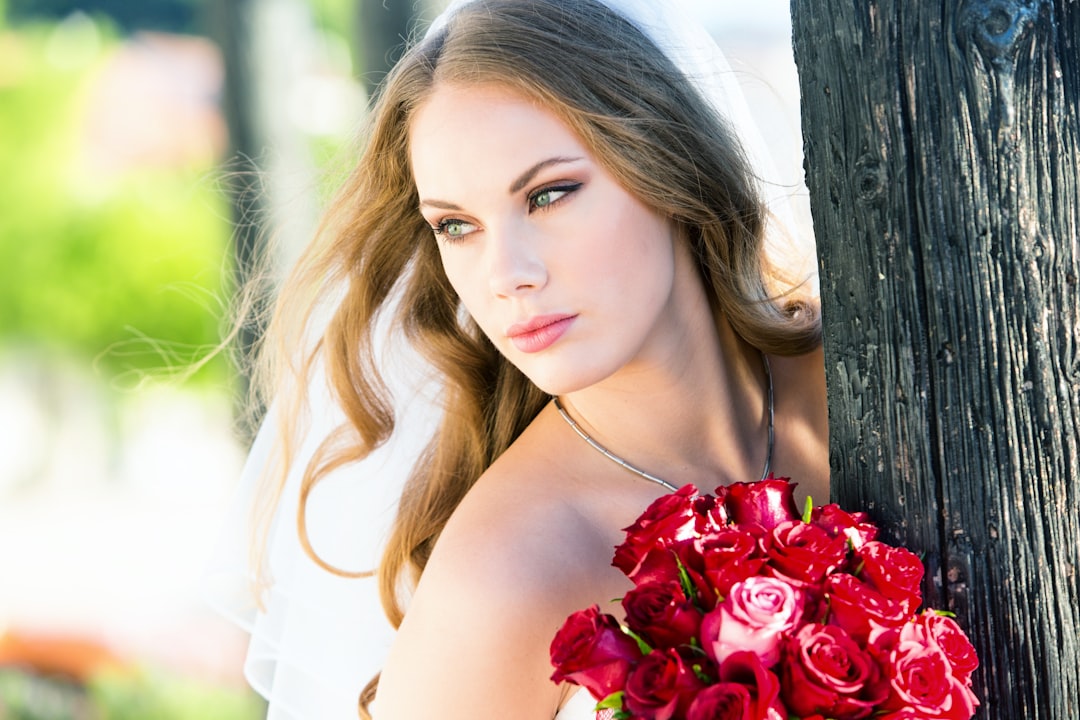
x: 440, y: 229
x: 566, y: 188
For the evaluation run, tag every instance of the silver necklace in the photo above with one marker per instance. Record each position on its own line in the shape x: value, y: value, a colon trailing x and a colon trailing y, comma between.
x: 660, y: 481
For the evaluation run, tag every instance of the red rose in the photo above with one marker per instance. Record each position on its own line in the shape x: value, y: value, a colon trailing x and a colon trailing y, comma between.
x: 662, y: 614
x: 956, y: 645
x: 894, y: 572
x: 592, y: 651
x: 905, y: 713
x: 765, y: 502
x: 723, y: 701
x: 920, y: 679
x: 670, y: 518
x: 730, y: 555
x: 657, y: 566
x: 755, y: 617
x: 855, y: 527
x: 953, y: 642
x: 710, y: 514
x: 661, y: 686
x: 805, y: 552
x: 745, y: 691
x: 860, y: 609
x: 826, y: 672
x: 662, y: 563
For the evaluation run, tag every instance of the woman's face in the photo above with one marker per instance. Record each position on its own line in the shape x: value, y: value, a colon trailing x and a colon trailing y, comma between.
x: 570, y: 276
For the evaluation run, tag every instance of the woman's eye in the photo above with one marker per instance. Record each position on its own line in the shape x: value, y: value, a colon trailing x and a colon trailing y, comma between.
x: 453, y: 229
x: 551, y: 195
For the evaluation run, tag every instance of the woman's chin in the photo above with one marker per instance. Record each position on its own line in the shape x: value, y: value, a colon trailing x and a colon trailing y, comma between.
x: 562, y: 382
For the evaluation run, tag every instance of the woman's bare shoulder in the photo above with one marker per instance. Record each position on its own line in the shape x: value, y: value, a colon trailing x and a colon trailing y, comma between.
x: 514, y: 560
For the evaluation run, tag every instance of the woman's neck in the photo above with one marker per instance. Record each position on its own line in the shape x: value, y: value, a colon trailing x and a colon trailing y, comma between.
x: 699, y: 415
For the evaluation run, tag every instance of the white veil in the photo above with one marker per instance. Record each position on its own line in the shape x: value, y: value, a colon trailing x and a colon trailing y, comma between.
x: 319, y: 637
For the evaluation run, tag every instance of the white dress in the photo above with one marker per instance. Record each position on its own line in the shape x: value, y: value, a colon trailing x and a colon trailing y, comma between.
x: 578, y: 707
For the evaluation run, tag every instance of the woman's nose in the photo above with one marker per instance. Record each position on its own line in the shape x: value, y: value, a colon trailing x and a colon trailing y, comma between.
x: 514, y: 265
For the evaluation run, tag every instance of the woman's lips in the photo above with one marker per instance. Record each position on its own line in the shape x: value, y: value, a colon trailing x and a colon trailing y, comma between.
x: 540, y: 332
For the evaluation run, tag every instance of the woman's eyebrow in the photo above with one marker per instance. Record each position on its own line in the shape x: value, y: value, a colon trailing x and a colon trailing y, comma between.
x: 522, y: 180
x: 529, y: 174
x: 440, y: 204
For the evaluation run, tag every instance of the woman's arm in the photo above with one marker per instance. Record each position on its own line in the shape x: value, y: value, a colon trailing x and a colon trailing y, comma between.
x: 475, y: 639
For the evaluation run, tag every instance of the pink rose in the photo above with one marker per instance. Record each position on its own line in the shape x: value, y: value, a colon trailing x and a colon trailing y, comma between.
x: 670, y: 518
x: 860, y: 609
x: 855, y: 527
x: 921, y: 679
x: 661, y: 686
x: 826, y: 672
x: 766, y: 502
x: 662, y: 614
x: 592, y: 651
x: 755, y: 616
x: 805, y: 552
x: 894, y: 572
x: 745, y: 691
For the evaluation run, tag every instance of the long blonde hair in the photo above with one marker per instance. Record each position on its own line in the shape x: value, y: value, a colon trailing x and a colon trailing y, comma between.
x: 640, y: 119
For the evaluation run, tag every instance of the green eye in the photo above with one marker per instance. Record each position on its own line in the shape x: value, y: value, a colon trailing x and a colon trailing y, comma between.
x: 549, y: 196
x: 454, y: 229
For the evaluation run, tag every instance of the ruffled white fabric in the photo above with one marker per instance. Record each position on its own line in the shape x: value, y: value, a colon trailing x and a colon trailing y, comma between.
x: 319, y: 638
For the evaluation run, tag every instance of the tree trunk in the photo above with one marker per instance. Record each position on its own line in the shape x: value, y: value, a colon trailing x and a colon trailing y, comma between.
x: 942, y: 144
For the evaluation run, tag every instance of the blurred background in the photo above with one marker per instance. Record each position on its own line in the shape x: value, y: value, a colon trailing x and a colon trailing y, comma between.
x: 149, y: 152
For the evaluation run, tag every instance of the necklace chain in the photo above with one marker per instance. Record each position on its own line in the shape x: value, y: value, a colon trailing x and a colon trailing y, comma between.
x: 658, y: 480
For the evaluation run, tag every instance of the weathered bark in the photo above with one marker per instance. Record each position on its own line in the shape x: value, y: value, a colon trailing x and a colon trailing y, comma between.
x: 943, y: 159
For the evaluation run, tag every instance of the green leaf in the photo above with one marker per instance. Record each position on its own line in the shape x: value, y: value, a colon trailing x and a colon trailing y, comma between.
x: 684, y: 579
x: 643, y: 646
x: 694, y: 647
x: 808, y: 509
x: 945, y: 613
x: 701, y: 674
x: 612, y: 702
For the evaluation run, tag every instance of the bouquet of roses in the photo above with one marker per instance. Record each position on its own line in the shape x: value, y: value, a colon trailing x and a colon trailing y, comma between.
x: 742, y: 608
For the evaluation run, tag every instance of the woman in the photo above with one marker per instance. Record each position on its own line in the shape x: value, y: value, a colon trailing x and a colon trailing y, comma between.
x: 571, y: 237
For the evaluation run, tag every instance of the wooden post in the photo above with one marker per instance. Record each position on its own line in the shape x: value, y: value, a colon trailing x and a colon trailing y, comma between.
x: 942, y: 145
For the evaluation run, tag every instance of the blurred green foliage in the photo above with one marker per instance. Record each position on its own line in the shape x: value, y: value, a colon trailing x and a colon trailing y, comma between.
x: 128, y: 270
x: 167, y: 697
x: 335, y: 16
x: 144, y: 695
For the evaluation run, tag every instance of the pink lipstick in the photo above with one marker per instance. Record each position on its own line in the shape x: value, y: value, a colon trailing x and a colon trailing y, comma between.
x: 540, y: 332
